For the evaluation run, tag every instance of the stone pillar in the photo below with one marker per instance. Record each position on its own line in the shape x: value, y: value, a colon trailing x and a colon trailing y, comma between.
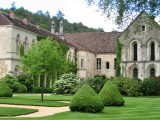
x: 61, y: 28
x: 53, y: 27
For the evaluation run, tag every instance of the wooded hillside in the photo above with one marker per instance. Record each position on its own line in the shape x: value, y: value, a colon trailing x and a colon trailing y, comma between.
x: 44, y: 20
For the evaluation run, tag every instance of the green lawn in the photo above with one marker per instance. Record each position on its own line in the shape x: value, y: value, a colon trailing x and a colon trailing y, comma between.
x: 52, y: 100
x: 7, y: 111
x: 136, y: 108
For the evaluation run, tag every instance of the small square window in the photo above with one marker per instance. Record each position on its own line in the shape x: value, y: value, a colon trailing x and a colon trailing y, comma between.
x: 143, y: 28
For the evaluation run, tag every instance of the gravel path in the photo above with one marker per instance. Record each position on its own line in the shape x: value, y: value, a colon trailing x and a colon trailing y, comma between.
x: 42, y: 111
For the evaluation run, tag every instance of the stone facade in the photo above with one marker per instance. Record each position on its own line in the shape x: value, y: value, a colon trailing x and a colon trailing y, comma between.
x: 95, y: 53
x: 11, y: 39
x: 141, y: 48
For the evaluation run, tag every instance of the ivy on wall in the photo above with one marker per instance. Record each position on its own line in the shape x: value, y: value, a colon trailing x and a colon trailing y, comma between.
x: 118, y: 57
x: 73, y: 64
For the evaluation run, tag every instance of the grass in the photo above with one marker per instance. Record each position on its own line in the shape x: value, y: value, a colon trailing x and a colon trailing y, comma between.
x: 7, y: 111
x: 136, y: 108
x: 51, y: 101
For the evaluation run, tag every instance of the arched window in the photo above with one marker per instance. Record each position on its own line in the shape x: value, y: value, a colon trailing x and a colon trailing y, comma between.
x: 135, y: 51
x: 17, y: 43
x: 25, y: 45
x: 152, y: 51
x: 135, y: 73
x: 152, y: 72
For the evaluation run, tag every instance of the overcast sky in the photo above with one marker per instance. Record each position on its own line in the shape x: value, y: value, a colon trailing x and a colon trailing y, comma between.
x: 74, y: 11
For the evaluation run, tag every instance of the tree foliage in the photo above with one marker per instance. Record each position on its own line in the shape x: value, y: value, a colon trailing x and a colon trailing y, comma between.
x: 45, y: 57
x: 118, y: 58
x: 122, y: 10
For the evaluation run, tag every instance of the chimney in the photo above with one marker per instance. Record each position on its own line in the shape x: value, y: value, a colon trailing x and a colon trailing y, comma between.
x: 53, y: 27
x: 61, y: 28
x: 25, y: 21
x: 12, y: 14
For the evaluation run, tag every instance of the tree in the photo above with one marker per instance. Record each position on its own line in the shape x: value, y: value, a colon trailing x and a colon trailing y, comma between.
x: 44, y: 57
x: 122, y: 10
x: 47, y: 14
x: 13, y: 7
x: 59, y: 15
x: 39, y: 12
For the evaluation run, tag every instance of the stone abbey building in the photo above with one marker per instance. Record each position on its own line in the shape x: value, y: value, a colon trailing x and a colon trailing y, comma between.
x: 141, y: 48
x: 96, y: 53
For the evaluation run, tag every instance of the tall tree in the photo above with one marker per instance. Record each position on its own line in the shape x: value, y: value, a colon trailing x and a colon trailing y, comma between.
x: 39, y: 12
x: 122, y: 10
x: 60, y: 15
x: 13, y: 7
x: 42, y: 58
x: 47, y: 14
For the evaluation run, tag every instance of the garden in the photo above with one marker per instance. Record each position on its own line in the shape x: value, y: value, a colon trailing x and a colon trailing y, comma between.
x: 96, y: 98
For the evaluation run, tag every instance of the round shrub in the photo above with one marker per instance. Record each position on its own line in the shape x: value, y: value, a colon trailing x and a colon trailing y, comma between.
x: 86, y: 100
x: 5, y: 91
x: 19, y: 88
x: 14, y: 85
x: 128, y: 86
x: 149, y: 86
x: 110, y: 95
x: 65, y: 84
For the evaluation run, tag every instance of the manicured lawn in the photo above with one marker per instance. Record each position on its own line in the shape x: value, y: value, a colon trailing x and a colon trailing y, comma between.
x: 6, y: 111
x: 136, y: 108
x: 52, y: 100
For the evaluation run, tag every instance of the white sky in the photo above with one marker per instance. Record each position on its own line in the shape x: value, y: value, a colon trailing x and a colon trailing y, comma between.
x: 74, y: 11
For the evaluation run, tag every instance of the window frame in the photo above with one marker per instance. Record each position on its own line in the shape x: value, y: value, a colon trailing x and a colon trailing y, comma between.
x: 107, y: 65
x: 98, y: 63
x: 82, y: 63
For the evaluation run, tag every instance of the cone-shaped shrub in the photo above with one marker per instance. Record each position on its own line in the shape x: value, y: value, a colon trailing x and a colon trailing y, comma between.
x: 86, y: 100
x: 110, y: 95
x: 5, y: 91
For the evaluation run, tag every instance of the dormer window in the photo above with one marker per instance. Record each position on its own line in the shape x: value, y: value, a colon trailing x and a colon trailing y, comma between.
x: 143, y: 28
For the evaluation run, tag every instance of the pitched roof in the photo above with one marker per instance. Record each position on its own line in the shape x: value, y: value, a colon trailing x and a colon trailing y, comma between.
x: 5, y: 19
x: 135, y: 20
x: 97, y: 42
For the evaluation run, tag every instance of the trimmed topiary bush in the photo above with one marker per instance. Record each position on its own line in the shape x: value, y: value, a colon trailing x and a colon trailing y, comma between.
x: 5, y: 91
x: 97, y: 83
x: 86, y: 100
x: 110, y: 95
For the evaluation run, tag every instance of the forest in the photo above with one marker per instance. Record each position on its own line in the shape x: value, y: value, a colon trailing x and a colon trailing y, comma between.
x: 44, y: 19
